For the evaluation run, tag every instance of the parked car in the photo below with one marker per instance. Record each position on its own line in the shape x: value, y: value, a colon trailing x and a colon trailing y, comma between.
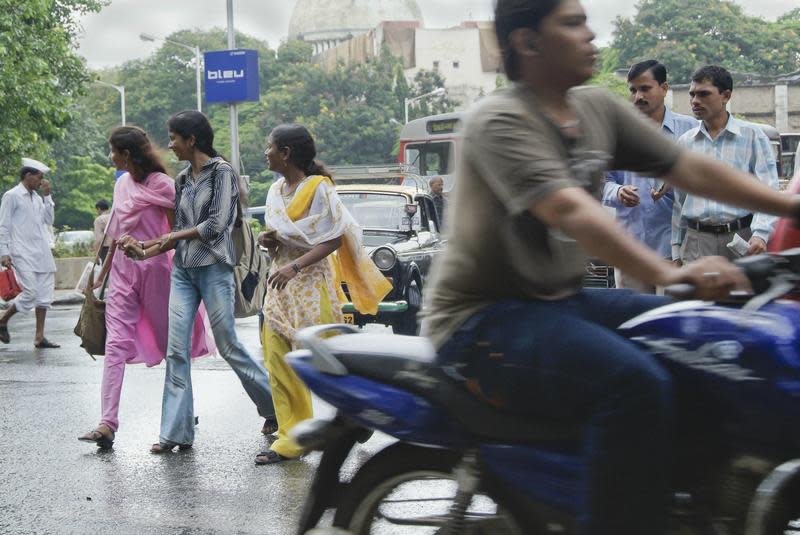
x: 73, y: 239
x: 256, y: 212
x: 401, y: 233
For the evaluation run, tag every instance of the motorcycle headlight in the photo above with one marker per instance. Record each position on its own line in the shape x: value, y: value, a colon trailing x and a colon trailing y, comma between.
x: 384, y: 258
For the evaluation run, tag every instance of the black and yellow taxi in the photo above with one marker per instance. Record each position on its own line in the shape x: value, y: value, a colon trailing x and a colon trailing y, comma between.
x: 402, y: 235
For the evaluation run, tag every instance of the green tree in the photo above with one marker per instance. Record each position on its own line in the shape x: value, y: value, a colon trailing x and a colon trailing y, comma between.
x: 77, y: 179
x: 606, y: 77
x: 78, y: 188
x: 354, y: 111
x: 426, y: 81
x: 40, y: 75
x: 685, y: 34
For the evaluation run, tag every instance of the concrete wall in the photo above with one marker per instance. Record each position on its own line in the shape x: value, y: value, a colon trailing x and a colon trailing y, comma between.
x: 794, y: 108
x: 68, y: 271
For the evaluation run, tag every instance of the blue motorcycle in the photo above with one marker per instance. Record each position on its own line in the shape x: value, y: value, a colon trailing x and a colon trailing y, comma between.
x: 462, y: 467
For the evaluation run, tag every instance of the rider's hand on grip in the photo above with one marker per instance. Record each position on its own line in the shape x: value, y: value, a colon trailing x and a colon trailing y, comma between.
x: 710, y: 278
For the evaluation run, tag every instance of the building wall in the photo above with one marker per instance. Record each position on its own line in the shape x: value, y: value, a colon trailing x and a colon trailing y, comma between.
x: 464, y: 55
x: 756, y: 103
x: 456, y: 54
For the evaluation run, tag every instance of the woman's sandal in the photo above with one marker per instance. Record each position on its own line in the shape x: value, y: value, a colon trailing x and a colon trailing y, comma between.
x: 270, y: 426
x: 103, y: 441
x: 162, y: 447
x: 270, y: 457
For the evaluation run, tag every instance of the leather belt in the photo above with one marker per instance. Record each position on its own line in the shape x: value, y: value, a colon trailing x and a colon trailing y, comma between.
x: 721, y: 228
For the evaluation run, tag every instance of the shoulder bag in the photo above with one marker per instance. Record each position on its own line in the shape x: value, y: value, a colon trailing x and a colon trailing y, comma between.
x: 91, y: 326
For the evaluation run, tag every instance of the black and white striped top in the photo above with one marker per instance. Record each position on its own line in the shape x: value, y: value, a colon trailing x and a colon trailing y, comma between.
x: 208, y: 202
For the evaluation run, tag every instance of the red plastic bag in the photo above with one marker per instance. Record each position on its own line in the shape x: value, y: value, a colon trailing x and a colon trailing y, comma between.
x: 9, y: 288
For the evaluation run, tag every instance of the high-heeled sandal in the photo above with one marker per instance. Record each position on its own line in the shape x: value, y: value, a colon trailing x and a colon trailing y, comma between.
x: 103, y: 441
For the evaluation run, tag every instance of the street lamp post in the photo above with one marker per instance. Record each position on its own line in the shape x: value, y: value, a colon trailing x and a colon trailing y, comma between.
x: 121, y: 90
x: 234, y: 113
x: 435, y: 93
x: 196, y: 51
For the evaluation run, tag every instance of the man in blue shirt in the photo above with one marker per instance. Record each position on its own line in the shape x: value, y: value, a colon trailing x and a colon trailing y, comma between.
x: 705, y: 227
x: 645, y: 205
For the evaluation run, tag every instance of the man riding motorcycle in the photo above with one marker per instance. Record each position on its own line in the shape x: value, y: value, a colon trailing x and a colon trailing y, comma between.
x: 506, y: 308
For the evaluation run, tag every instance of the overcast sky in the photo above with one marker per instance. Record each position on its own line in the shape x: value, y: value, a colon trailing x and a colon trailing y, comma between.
x: 112, y: 36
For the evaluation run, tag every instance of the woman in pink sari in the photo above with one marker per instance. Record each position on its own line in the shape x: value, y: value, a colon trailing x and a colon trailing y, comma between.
x: 137, y: 302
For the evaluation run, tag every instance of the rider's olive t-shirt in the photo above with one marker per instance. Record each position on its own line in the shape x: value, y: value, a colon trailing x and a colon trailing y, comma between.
x: 513, y: 157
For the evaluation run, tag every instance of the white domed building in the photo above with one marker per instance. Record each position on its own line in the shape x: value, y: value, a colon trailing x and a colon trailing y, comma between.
x: 327, y: 23
x: 355, y: 31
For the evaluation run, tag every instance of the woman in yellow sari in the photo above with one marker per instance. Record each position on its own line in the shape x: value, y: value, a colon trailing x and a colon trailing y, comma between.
x: 315, y: 245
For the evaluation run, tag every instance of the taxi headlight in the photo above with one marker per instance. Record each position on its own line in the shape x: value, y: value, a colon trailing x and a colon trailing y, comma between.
x: 384, y: 258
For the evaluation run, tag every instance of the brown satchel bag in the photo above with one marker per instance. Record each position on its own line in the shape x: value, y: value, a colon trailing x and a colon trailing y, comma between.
x: 91, y: 326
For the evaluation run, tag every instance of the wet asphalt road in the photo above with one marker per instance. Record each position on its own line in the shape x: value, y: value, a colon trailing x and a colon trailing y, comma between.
x: 51, y: 483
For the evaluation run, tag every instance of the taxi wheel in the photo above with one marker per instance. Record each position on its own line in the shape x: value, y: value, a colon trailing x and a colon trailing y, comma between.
x: 407, y: 324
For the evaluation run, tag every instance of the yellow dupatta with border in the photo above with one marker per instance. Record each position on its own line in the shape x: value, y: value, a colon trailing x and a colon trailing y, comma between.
x: 365, y: 283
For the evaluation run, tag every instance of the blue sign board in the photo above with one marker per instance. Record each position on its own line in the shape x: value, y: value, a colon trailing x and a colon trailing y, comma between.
x: 231, y: 76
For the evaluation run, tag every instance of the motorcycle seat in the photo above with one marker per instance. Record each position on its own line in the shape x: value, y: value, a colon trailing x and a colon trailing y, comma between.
x: 409, y: 362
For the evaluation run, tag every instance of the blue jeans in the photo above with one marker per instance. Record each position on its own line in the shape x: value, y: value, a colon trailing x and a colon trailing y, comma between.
x: 214, y: 285
x: 563, y: 360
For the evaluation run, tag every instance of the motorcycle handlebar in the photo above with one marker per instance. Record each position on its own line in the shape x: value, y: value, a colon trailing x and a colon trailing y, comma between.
x: 758, y: 269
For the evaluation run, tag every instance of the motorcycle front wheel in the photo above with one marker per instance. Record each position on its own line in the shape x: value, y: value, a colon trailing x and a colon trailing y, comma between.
x: 408, y: 489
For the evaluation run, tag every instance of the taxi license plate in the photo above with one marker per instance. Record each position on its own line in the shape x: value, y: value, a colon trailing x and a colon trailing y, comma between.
x: 350, y: 319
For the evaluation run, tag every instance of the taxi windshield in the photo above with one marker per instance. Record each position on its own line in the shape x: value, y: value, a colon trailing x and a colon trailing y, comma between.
x: 375, y: 210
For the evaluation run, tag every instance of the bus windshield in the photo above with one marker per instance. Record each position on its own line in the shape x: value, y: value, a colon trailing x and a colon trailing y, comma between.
x: 431, y: 157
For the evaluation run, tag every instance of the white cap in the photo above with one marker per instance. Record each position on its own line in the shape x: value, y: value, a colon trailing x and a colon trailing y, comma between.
x: 35, y: 164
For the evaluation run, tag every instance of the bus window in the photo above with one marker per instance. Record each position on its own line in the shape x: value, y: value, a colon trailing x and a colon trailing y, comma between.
x: 431, y: 158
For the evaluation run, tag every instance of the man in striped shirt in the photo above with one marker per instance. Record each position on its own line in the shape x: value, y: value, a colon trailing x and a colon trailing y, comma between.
x: 705, y: 227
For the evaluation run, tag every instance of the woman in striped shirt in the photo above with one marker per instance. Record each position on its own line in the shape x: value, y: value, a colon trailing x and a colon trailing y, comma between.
x: 206, y: 208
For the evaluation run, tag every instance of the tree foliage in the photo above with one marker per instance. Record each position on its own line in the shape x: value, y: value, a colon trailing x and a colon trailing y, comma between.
x: 78, y: 188
x: 51, y: 109
x: 40, y: 75
x: 426, y: 81
x: 605, y: 76
x: 686, y: 34
x: 354, y: 111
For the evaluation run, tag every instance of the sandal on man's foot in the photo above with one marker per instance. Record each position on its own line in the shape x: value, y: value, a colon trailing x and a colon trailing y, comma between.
x: 161, y: 447
x: 4, y: 336
x: 103, y: 441
x: 270, y: 426
x: 46, y: 344
x: 270, y: 457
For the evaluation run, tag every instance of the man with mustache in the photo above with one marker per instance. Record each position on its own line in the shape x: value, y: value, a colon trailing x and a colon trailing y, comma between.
x: 644, y: 205
x: 705, y: 227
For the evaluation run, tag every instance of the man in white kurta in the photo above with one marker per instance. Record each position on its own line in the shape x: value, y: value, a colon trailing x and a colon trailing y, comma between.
x: 25, y: 220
